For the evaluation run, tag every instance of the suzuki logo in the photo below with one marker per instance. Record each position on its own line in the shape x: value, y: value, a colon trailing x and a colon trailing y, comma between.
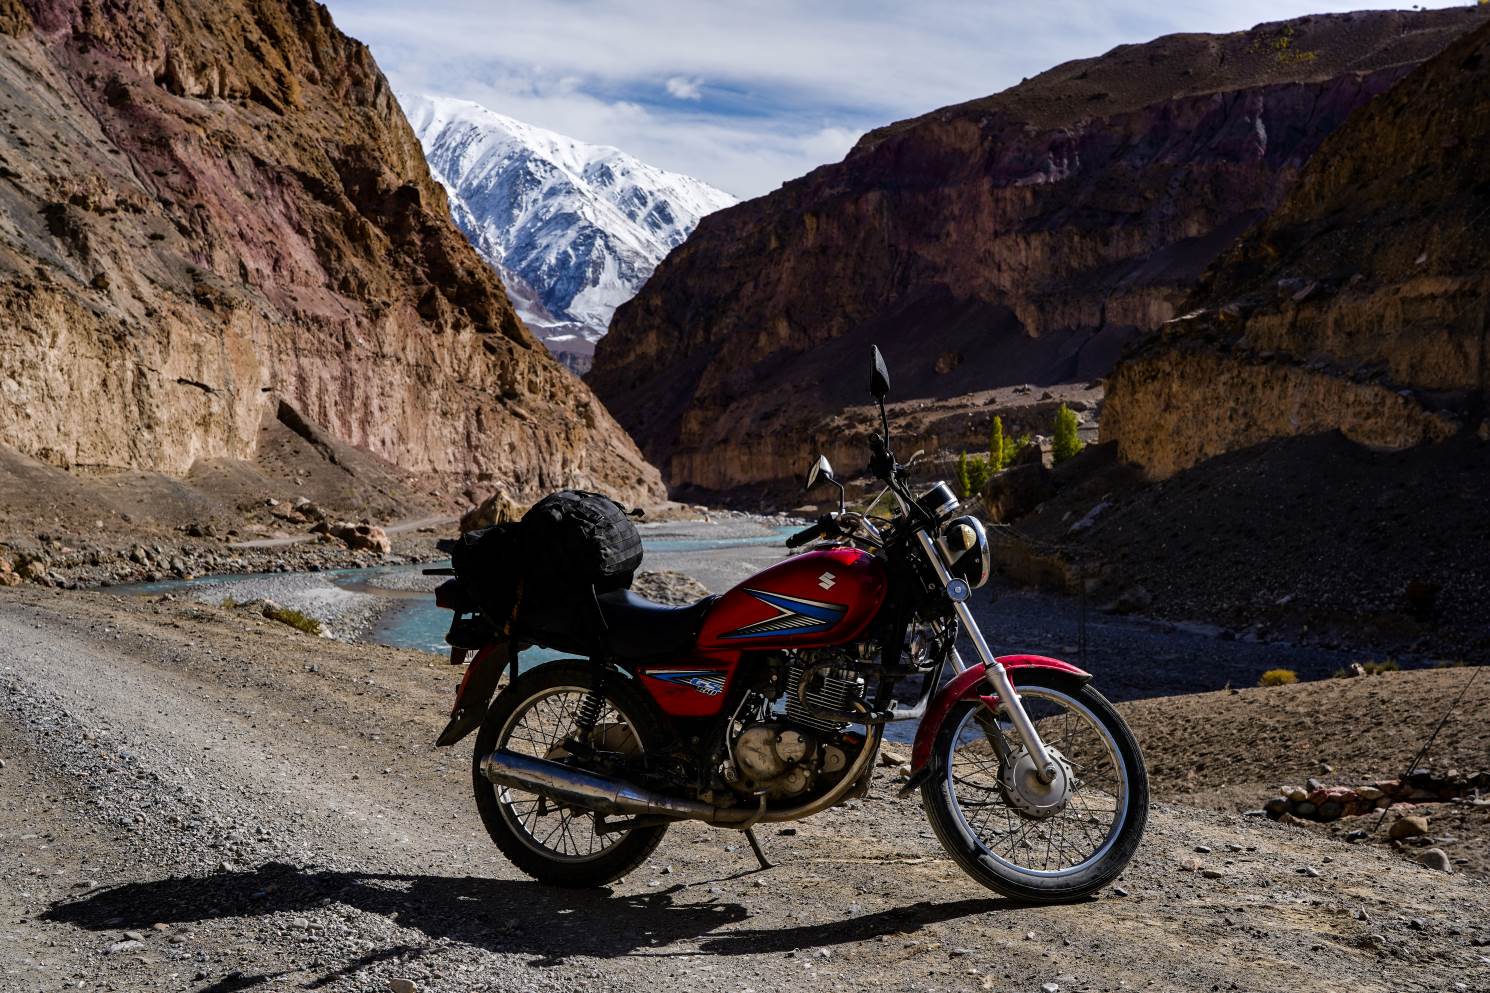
x: 826, y: 580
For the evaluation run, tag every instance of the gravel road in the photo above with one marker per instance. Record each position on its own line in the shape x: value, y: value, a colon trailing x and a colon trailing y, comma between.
x: 193, y: 799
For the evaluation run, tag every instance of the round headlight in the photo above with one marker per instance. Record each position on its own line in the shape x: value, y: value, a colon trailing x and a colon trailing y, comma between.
x: 965, y: 546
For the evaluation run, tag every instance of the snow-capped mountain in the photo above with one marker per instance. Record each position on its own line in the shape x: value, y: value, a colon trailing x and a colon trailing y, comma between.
x: 574, y: 229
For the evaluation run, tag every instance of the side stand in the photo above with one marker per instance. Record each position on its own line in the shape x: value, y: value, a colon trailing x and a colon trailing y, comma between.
x: 755, y: 846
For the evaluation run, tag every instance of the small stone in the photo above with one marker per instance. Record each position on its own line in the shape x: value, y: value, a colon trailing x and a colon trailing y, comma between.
x: 1296, y: 793
x: 1212, y: 873
x: 1050, y: 988
x: 1309, y: 871
x: 1435, y: 859
x: 1119, y: 891
x: 402, y: 986
x: 958, y: 953
x: 125, y: 946
x: 1203, y: 849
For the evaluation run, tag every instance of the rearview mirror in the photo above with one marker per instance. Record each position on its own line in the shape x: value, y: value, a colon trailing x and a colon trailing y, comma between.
x: 879, y: 377
x: 821, y: 469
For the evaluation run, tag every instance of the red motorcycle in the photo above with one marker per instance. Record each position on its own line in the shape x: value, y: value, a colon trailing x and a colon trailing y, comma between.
x: 769, y: 703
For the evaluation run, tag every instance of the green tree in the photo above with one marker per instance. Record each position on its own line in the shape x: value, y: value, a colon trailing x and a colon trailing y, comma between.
x: 977, y: 475
x: 1065, y: 444
x: 999, y: 449
x: 962, y: 476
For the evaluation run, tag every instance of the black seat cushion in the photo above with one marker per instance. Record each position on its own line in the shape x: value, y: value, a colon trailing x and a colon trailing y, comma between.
x: 638, y: 628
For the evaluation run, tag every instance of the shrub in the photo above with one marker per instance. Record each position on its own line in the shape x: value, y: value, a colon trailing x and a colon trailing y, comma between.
x: 294, y: 618
x: 1377, y: 668
x: 1000, y: 449
x: 1278, y: 677
x: 1066, y: 444
x: 962, y: 477
x: 977, y: 474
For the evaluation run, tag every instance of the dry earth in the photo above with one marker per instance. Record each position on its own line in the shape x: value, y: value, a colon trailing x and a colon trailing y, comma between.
x: 195, y: 801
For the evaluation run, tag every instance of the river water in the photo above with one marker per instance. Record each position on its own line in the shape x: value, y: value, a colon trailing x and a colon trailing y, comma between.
x: 394, y: 605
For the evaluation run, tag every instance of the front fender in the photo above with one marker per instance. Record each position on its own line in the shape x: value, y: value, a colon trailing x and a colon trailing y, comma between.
x: 969, y: 685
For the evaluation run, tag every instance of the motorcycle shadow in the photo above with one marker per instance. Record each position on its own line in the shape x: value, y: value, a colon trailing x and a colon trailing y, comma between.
x: 497, y: 915
x: 503, y: 916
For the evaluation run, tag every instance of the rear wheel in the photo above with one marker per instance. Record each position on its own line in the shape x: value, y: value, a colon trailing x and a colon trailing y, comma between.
x: 1033, y: 841
x: 536, y: 715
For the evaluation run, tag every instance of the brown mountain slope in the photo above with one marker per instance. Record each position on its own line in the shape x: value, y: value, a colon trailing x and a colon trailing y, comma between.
x: 1017, y: 238
x: 1308, y: 452
x: 210, y: 208
x: 1359, y: 306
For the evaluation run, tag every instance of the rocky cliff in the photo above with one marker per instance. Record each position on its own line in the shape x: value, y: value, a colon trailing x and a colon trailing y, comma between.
x: 212, y: 212
x: 1020, y: 238
x: 1360, y: 305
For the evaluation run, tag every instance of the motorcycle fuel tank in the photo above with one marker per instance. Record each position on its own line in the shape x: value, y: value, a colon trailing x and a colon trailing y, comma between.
x: 811, y: 600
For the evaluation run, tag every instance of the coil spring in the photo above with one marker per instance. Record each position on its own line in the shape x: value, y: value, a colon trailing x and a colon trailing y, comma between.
x: 589, y: 713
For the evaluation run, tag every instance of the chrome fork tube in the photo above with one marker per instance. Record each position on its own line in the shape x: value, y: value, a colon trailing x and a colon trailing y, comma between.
x: 994, y: 671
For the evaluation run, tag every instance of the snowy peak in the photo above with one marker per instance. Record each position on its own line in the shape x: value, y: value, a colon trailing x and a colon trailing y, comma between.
x: 574, y: 229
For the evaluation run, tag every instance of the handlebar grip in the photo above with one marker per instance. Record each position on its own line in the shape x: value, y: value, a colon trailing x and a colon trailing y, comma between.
x: 805, y: 535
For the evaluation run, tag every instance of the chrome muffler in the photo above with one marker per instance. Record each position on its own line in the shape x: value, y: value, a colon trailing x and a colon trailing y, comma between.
x: 585, y: 789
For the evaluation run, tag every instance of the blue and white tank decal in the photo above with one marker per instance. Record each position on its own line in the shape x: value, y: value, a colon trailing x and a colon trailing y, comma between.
x: 794, y: 615
x: 709, y: 682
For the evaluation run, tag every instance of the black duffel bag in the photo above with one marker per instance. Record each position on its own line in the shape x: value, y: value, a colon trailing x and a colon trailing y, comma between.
x: 537, y: 578
x: 576, y: 540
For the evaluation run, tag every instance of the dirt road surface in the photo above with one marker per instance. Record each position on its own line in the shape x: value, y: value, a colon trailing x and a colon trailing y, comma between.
x: 193, y: 800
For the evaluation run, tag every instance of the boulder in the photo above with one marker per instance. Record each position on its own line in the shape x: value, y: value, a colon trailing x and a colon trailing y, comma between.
x: 8, y: 575
x: 1435, y: 859
x: 1410, y: 826
x: 667, y: 586
x: 499, y: 508
x: 1011, y: 494
x: 358, y: 537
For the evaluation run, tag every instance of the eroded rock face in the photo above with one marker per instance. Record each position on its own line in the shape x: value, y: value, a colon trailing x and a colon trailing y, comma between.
x: 1024, y: 237
x: 1359, y: 306
x: 213, y: 208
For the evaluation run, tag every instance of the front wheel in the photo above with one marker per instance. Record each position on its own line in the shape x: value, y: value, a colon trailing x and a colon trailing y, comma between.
x: 1033, y: 841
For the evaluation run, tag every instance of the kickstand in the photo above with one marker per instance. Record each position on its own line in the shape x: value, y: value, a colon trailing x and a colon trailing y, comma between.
x: 755, y: 846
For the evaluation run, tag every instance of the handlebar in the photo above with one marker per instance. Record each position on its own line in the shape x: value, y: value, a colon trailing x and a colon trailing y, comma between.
x: 809, y: 533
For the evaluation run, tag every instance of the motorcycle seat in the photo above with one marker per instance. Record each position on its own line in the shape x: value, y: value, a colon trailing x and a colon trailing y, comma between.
x: 638, y: 628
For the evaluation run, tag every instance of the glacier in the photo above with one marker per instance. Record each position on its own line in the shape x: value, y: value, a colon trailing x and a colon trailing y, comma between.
x: 574, y: 229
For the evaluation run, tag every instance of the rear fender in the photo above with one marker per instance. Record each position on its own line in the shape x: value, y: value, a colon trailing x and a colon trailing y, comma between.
x: 971, y: 685
x: 475, y: 692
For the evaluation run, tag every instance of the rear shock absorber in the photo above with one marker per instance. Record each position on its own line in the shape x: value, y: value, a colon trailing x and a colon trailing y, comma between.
x: 589, y: 714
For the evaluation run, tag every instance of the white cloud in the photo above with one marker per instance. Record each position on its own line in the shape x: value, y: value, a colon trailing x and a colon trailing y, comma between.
x: 790, y: 85
x: 684, y: 88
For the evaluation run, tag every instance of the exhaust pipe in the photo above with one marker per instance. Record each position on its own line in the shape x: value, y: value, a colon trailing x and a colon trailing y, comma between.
x: 604, y: 795
x: 585, y: 789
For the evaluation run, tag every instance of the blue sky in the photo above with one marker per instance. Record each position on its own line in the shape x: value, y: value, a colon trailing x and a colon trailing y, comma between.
x: 748, y: 94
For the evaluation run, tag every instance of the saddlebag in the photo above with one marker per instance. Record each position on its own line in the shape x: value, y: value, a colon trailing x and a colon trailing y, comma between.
x: 538, y: 577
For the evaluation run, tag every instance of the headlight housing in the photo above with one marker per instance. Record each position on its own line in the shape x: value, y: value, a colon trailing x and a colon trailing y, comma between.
x: 964, y: 545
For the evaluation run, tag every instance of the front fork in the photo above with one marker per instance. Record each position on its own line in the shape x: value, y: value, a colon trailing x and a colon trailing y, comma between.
x: 995, y: 673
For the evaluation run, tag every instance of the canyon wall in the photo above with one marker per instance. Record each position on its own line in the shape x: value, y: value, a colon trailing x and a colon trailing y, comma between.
x: 210, y: 209
x: 1359, y: 306
x: 1020, y: 238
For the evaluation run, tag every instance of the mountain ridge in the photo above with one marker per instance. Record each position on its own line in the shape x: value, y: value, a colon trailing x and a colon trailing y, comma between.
x: 576, y: 227
x: 1021, y: 238
x: 214, y: 211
